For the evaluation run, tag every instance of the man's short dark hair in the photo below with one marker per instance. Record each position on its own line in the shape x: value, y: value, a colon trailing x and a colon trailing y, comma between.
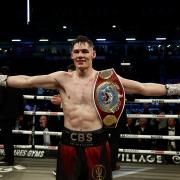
x: 82, y: 39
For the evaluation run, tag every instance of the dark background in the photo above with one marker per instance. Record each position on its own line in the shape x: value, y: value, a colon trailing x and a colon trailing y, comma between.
x: 145, y: 20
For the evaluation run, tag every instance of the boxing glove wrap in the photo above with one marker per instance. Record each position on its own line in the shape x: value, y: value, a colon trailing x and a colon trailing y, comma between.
x: 172, y: 89
x: 3, y: 80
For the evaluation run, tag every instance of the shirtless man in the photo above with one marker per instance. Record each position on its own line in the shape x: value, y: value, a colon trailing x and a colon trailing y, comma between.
x: 84, y: 152
x: 56, y: 99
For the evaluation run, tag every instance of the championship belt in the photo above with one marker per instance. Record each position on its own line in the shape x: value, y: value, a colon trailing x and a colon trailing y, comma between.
x: 109, y: 97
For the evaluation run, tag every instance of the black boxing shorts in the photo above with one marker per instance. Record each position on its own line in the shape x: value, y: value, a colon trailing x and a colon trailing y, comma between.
x: 84, y: 155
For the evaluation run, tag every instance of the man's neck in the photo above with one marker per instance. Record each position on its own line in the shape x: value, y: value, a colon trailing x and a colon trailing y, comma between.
x: 85, y: 73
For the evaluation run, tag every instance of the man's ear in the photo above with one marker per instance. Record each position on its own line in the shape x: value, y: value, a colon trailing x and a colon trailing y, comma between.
x: 71, y: 55
x: 94, y: 54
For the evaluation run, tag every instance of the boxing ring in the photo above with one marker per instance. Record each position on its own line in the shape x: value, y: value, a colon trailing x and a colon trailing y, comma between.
x: 41, y: 169
x: 35, y: 165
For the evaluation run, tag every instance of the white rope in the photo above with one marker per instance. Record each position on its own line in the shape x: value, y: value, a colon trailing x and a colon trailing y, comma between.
x: 18, y: 146
x: 153, y: 116
x: 21, y: 132
x: 30, y: 147
x: 43, y: 113
x: 138, y: 151
x: 136, y: 100
x: 38, y: 132
x: 23, y: 146
x: 157, y: 100
x: 46, y: 147
x: 135, y: 136
x: 37, y: 97
x: 125, y: 136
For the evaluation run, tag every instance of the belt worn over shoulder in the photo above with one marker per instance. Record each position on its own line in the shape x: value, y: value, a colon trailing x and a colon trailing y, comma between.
x: 109, y: 97
x: 84, y: 138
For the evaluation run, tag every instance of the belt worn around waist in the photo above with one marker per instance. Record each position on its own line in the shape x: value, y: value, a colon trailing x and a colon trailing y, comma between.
x: 84, y: 138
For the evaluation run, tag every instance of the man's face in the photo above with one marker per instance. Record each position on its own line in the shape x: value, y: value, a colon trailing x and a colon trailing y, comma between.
x: 43, y: 121
x: 171, y: 122
x: 82, y: 55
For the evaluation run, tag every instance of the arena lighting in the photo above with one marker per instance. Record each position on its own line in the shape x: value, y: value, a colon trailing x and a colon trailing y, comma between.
x: 43, y: 40
x: 16, y: 40
x: 64, y: 27
x: 125, y: 64
x: 28, y: 12
x: 130, y: 39
x: 70, y: 40
x: 101, y: 39
x: 160, y: 38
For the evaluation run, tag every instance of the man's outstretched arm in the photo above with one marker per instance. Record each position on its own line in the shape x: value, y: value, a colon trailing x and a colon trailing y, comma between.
x: 150, y: 89
x: 23, y: 81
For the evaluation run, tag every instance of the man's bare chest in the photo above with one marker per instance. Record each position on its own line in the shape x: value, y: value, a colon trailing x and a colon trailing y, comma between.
x: 81, y: 92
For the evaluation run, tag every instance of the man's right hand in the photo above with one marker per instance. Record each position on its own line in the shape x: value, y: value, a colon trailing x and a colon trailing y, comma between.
x: 56, y: 100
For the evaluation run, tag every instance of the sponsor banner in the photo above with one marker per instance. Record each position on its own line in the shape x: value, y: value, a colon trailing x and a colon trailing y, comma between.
x: 122, y: 157
x: 148, y: 158
x: 27, y: 153
x: 176, y: 159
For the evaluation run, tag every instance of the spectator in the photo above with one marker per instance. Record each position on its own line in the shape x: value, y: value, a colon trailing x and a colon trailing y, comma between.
x: 172, y: 129
x: 21, y: 124
x: 143, y: 128
x: 11, y: 105
x: 129, y: 128
x: 44, y: 139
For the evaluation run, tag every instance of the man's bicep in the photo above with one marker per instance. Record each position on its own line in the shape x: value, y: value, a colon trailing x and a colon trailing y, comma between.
x: 45, y: 81
x: 131, y: 86
x: 23, y: 81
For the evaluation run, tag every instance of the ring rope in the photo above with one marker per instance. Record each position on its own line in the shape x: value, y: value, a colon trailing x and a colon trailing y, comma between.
x: 158, y: 152
x: 135, y: 136
x: 37, y: 132
x: 43, y: 113
x: 37, y: 97
x: 30, y: 147
x: 125, y: 136
x: 33, y: 126
x: 136, y: 151
x: 136, y: 100
x: 157, y: 100
x: 152, y: 116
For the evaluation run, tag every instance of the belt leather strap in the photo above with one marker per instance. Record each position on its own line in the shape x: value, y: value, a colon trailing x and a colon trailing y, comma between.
x: 109, y: 97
